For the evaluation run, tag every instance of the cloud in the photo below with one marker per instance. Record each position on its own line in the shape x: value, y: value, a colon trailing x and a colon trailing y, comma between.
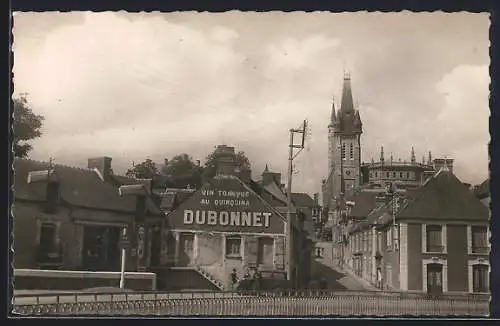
x: 463, y: 121
x: 133, y: 86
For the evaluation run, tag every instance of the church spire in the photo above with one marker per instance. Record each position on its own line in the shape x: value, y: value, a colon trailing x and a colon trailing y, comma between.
x: 429, y: 161
x: 382, y: 154
x: 413, y: 159
x: 347, y: 104
x: 266, y: 169
x: 333, y: 117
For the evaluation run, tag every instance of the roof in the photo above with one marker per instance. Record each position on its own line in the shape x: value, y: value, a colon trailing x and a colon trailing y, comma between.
x: 217, y: 202
x: 364, y: 203
x: 483, y: 190
x: 301, y: 199
x: 444, y: 197
x: 78, y: 187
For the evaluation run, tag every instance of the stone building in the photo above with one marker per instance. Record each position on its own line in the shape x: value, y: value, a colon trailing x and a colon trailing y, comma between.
x: 432, y: 239
x: 71, y: 218
x: 230, y: 223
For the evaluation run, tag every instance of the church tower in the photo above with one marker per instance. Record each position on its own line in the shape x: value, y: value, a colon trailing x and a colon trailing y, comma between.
x: 344, y: 145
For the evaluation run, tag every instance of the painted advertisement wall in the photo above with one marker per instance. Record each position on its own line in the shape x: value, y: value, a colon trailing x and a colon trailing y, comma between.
x: 225, y: 204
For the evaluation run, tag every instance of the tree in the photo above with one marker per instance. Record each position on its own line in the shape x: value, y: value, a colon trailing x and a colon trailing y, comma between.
x: 212, y: 164
x: 144, y: 170
x: 27, y: 126
x: 182, y: 171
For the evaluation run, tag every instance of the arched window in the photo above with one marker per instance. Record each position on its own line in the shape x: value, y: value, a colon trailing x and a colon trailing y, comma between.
x: 343, y: 151
x: 351, y: 151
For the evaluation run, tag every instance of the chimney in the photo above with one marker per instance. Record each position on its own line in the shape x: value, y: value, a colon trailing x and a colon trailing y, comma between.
x: 226, y: 164
x: 102, y: 164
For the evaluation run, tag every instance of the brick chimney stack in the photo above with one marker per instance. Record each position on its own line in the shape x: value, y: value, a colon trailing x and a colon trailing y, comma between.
x: 226, y: 164
x: 102, y: 164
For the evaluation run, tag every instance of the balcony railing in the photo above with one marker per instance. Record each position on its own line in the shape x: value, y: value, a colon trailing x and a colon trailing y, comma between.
x: 250, y: 303
x: 435, y: 248
x: 482, y: 250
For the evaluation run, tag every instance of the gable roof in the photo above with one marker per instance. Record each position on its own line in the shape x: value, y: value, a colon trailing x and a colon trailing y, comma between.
x: 483, y: 190
x: 78, y: 187
x: 365, y: 202
x: 227, y: 183
x: 302, y: 199
x: 444, y: 197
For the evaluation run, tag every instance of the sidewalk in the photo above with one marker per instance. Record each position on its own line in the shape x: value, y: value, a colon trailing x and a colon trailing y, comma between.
x: 354, y: 281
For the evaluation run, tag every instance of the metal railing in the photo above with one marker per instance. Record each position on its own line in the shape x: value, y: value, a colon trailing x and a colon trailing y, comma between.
x: 276, y: 303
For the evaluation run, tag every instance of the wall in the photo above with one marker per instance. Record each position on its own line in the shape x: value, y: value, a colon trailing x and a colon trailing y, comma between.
x: 26, y: 223
x: 28, y: 217
x: 457, y: 257
x: 415, y: 257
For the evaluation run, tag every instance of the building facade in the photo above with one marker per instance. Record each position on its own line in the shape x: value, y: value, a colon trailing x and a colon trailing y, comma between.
x: 434, y: 239
x: 72, y: 218
x: 232, y: 225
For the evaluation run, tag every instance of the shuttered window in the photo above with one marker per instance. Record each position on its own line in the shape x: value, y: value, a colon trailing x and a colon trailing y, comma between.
x: 480, y: 278
x: 479, y: 240
x: 434, y: 238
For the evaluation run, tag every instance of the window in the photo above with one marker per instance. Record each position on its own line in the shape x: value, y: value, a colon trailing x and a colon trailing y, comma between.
x: 233, y: 246
x: 393, y: 174
x: 48, y: 249
x: 343, y: 152
x: 389, y: 238
x: 388, y: 175
x: 376, y: 174
x: 407, y: 175
x: 370, y: 239
x: 479, y: 240
x: 434, y: 239
x: 400, y: 174
x: 480, y: 278
x: 351, y: 151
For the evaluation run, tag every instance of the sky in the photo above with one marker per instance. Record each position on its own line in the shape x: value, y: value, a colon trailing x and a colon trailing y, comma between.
x: 133, y: 86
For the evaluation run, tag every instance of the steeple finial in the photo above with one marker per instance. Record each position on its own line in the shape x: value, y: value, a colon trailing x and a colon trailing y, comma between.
x: 429, y: 160
x: 391, y: 158
x: 413, y: 159
x: 347, y: 103
x: 333, y: 116
x: 266, y: 169
x: 382, y: 154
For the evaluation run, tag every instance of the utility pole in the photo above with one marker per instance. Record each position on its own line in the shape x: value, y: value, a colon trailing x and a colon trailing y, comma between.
x: 124, y: 242
x: 291, y: 156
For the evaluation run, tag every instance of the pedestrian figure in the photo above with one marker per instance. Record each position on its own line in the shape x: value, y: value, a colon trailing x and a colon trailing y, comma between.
x: 234, y: 278
x: 379, y: 278
x: 247, y: 274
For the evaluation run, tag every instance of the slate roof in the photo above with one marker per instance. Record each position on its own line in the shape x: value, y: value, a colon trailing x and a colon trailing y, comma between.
x: 302, y: 200
x: 483, y: 190
x: 444, y: 197
x: 365, y: 202
x: 78, y: 187
x: 231, y: 182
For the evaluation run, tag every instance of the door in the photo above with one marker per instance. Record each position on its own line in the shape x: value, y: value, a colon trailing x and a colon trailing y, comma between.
x: 435, y: 278
x: 186, y: 253
x: 265, y: 252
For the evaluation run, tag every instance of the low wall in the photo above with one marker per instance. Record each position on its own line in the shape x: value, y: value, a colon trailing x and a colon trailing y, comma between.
x: 269, y: 304
x: 35, y: 279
